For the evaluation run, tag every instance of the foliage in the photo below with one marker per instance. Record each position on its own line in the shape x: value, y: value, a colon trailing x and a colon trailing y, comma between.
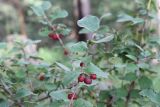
x: 124, y: 61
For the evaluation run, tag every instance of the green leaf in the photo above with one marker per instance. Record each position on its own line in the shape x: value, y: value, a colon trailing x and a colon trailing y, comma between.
x: 120, y: 65
x: 135, y: 93
x: 2, y: 96
x: 57, y: 103
x: 99, y: 104
x: 115, y: 60
x: 38, y: 10
x: 139, y: 47
x: 82, y: 103
x: 103, y: 29
x: 70, y: 77
x: 154, y: 39
x: 130, y: 76
x: 22, y: 93
x: 43, y: 21
x: 59, y: 14
x: 132, y: 67
x: 50, y: 86
x: 92, y: 68
x: 145, y: 82
x: 144, y: 66
x: 156, y: 84
x: 137, y: 21
x: 106, y: 39
x: 146, y: 53
x: 87, y: 59
x: 155, y: 68
x: 104, y: 94
x: 65, y: 68
x: 121, y: 92
x: 124, y: 18
x: 4, y: 103
x: 106, y: 15
x: 59, y: 95
x: 46, y: 5
x: 20, y: 74
x: 120, y: 103
x: 91, y: 23
x: 132, y: 57
x: 44, y: 31
x: 63, y: 31
x: 84, y: 31
x: 79, y: 47
x: 151, y: 95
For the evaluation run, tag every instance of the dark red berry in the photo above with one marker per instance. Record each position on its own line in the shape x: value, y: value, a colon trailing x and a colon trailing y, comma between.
x: 66, y: 52
x: 87, y: 80
x: 81, y: 78
x: 93, y: 76
x: 72, y: 96
x: 41, y: 76
x: 55, y: 36
x: 81, y: 64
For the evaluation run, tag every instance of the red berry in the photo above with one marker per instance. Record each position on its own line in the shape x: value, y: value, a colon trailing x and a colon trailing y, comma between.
x: 41, y: 76
x: 66, y: 52
x: 54, y: 36
x: 81, y: 64
x: 81, y: 78
x: 93, y: 76
x: 72, y: 96
x: 87, y: 80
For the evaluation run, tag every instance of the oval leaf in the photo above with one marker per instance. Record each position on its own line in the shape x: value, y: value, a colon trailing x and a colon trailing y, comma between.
x: 38, y: 10
x: 145, y: 82
x: 90, y: 23
x: 106, y: 39
x: 150, y: 94
x: 95, y: 70
x: 70, y: 77
x: 58, y: 95
x: 46, y: 5
x: 82, y: 103
x: 65, y: 68
x: 22, y: 93
x: 59, y: 14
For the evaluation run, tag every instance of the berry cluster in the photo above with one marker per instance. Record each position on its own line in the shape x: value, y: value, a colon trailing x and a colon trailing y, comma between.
x: 55, y: 36
x: 83, y: 77
x: 86, y: 79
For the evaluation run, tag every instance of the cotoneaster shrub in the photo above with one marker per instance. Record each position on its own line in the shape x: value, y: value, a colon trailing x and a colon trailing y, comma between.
x: 116, y: 68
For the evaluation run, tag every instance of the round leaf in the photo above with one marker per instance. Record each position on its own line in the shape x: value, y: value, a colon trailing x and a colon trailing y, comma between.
x: 90, y: 23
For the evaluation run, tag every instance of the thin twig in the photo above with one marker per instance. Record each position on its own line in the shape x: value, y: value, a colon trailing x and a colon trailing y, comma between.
x: 44, y: 98
x: 131, y: 87
x: 7, y: 90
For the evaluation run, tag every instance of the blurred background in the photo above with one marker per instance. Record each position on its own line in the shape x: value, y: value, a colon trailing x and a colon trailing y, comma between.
x: 18, y: 20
